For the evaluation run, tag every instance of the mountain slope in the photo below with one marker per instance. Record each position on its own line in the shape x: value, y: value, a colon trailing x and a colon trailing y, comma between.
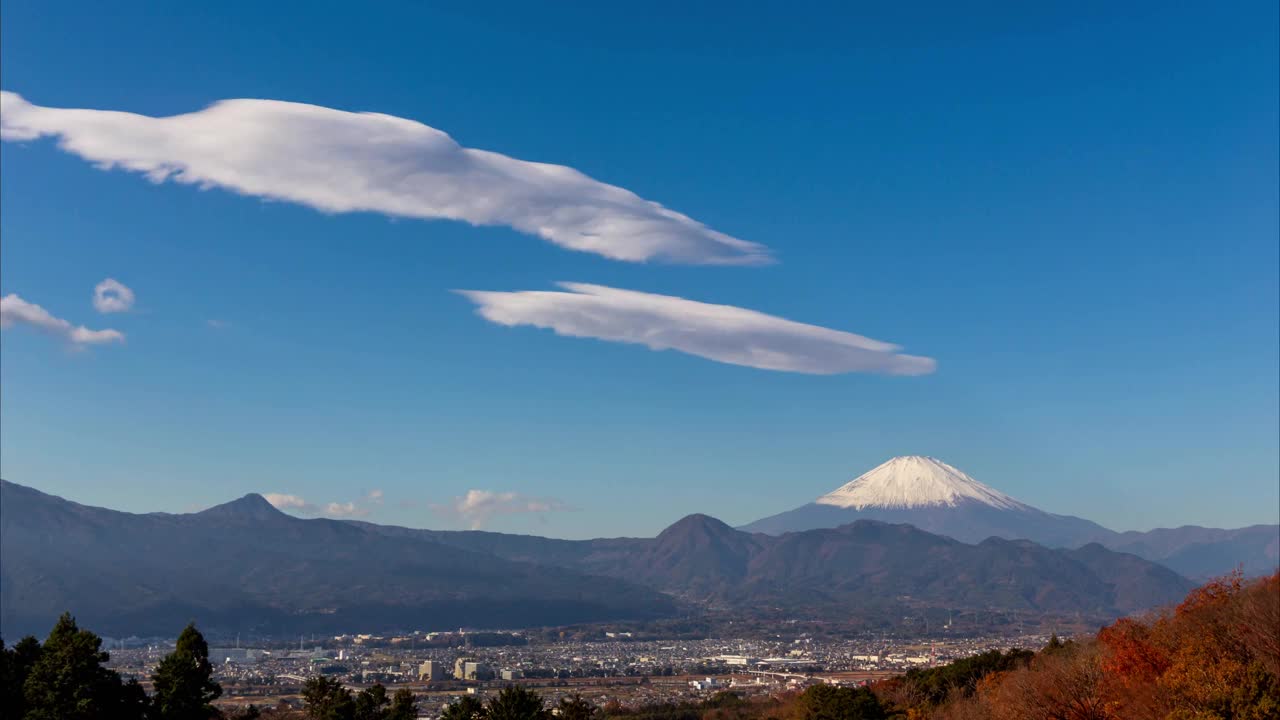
x: 862, y: 565
x: 1200, y: 552
x: 936, y: 497
x: 245, y: 565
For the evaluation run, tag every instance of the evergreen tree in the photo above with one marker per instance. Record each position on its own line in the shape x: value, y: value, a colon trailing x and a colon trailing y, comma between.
x: 184, y: 686
x: 827, y: 702
x: 68, y: 681
x: 133, y: 702
x: 15, y: 666
x: 326, y: 699
x: 516, y: 703
x: 466, y: 708
x: 371, y: 703
x: 404, y: 706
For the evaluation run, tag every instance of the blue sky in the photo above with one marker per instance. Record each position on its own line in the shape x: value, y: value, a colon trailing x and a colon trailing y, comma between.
x: 1071, y: 208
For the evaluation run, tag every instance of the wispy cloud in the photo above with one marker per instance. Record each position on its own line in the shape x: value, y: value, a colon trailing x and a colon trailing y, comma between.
x: 16, y: 311
x: 337, y: 161
x: 112, y: 296
x: 302, y: 506
x: 217, y: 324
x: 477, y: 507
x: 723, y: 333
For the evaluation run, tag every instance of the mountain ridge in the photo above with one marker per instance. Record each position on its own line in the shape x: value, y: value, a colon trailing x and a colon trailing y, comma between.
x: 262, y: 569
x: 939, y: 498
x: 239, y: 566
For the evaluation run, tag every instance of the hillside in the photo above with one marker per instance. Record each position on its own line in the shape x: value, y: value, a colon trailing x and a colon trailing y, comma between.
x: 245, y: 565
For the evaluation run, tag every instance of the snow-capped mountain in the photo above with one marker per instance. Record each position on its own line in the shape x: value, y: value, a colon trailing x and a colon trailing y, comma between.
x: 938, y: 498
x: 913, y: 481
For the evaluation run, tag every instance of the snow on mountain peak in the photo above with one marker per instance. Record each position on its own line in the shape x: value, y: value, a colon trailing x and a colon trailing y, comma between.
x: 916, y: 481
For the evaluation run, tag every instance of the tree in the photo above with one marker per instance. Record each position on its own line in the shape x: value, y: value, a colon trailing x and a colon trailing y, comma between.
x: 184, y: 686
x: 68, y: 681
x: 404, y: 706
x: 326, y: 699
x: 15, y: 666
x: 936, y: 685
x: 466, y: 708
x: 574, y: 707
x: 516, y: 703
x: 827, y: 702
x: 1055, y: 645
x: 134, y: 702
x: 371, y: 703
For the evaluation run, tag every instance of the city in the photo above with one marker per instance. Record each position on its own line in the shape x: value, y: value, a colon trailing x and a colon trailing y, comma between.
x: 442, y: 667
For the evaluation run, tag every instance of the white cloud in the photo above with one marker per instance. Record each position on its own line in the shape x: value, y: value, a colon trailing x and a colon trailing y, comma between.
x: 14, y: 311
x: 723, y: 333
x: 286, y: 501
x: 478, y: 506
x: 347, y: 509
x: 112, y: 296
x: 337, y: 161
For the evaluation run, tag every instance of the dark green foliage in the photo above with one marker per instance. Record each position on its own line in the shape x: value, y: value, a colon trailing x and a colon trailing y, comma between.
x: 828, y: 702
x: 1057, y: 645
x: 404, y: 706
x: 183, y: 682
x: 326, y: 699
x: 371, y: 703
x: 516, y: 703
x: 936, y: 684
x: 573, y: 707
x: 466, y: 708
x: 68, y: 681
x: 724, y: 699
x: 15, y: 666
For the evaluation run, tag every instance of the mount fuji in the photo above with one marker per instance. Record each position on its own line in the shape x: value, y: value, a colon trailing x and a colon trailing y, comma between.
x: 935, y: 497
x: 938, y: 498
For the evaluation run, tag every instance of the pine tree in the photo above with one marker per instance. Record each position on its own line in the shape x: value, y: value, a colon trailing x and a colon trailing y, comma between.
x: 326, y: 699
x: 371, y: 703
x: 465, y: 708
x: 68, y: 681
x: 15, y: 666
x: 516, y: 703
x: 184, y: 686
x: 404, y: 706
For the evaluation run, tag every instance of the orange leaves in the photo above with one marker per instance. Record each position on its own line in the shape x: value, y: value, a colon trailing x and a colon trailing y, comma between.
x: 1217, y: 655
x: 1132, y: 654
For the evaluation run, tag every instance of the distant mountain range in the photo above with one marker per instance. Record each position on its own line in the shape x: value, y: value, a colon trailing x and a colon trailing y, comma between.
x: 247, y: 566
x: 862, y: 564
x: 936, y: 497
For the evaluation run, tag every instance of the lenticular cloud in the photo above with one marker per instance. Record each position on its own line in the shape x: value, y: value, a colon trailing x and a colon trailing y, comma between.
x: 337, y: 161
x: 723, y: 333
